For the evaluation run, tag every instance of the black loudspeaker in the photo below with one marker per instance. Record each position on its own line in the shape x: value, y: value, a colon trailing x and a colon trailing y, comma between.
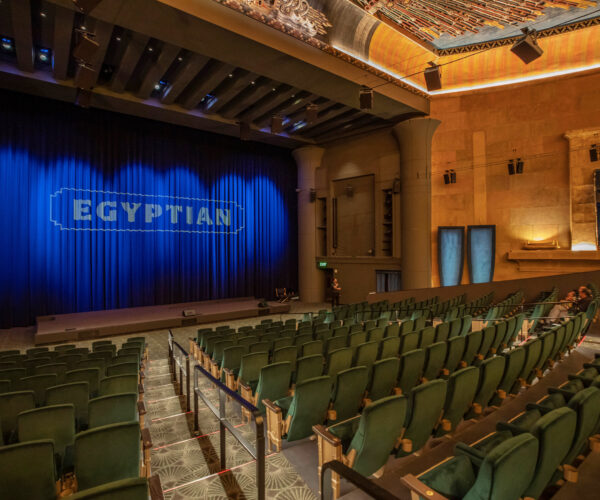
x: 433, y: 77
x: 85, y: 49
x: 365, y: 98
x: 594, y: 152
x: 83, y: 98
x: 85, y: 77
x: 511, y: 167
x: 527, y: 49
x: 313, y: 195
x: 276, y: 124
x: 86, y: 6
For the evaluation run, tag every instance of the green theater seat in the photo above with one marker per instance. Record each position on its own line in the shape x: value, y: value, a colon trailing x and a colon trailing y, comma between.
x: 384, y: 375
x: 455, y: 351
x: 273, y: 383
x: 513, y: 365
x: 38, y: 384
x: 107, y: 410
x: 435, y: 356
x: 75, y: 393
x: 338, y: 360
x: 411, y: 369
x: 347, y: 396
x: 461, y: 389
x: 490, y: 374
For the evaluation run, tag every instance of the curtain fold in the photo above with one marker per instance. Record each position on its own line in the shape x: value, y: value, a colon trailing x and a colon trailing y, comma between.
x: 73, y: 240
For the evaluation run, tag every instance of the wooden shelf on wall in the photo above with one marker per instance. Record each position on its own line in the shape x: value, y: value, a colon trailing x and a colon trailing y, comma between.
x: 560, y: 261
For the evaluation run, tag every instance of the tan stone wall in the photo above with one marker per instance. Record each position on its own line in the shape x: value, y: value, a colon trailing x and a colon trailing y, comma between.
x: 480, y: 132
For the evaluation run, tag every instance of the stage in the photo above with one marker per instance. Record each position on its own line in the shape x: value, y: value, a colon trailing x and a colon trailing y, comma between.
x: 97, y: 324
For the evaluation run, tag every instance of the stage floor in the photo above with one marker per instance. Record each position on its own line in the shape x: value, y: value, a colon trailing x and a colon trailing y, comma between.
x: 96, y: 324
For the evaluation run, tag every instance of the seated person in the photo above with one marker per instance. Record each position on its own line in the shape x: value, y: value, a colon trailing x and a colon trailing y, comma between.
x: 562, y: 309
x: 585, y: 297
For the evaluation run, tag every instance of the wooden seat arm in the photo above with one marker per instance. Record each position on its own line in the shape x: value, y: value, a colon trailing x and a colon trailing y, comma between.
x: 156, y: 491
x: 322, y: 432
x: 146, y: 439
x: 141, y: 388
x: 269, y: 405
x: 141, y: 408
x: 419, y: 489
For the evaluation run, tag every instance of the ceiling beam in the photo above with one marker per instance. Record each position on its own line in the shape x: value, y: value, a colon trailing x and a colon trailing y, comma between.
x: 157, y: 70
x: 21, y: 22
x: 244, y: 100
x: 360, y: 129
x: 283, y: 93
x: 136, y: 44
x: 61, y: 45
x: 333, y: 123
x: 293, y: 104
x: 103, y: 33
x: 208, y: 79
x: 190, y: 67
x: 231, y: 87
x: 325, y: 115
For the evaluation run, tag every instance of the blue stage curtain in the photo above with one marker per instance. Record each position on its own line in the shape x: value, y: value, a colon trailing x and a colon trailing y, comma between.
x: 451, y: 254
x: 481, y: 253
x: 54, y: 154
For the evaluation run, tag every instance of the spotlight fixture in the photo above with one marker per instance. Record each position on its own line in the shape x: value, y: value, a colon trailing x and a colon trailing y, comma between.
x: 244, y: 131
x: 160, y: 85
x: 276, y: 124
x: 594, y: 152
x: 312, y: 112
x: 7, y: 44
x: 365, y: 97
x: 433, y: 77
x: 86, y: 47
x: 86, y: 6
x: 526, y: 48
x: 511, y: 167
x: 44, y: 55
x: 83, y: 99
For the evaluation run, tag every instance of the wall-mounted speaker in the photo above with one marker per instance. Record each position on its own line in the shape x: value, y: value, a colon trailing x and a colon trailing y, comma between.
x: 527, y: 48
x: 433, y: 77
x: 85, y: 77
x: 365, y: 97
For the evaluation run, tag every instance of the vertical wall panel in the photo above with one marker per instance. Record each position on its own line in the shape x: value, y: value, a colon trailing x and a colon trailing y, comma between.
x: 451, y: 245
x: 481, y: 253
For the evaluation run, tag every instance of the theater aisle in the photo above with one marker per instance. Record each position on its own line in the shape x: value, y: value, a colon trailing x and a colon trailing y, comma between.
x: 188, y: 464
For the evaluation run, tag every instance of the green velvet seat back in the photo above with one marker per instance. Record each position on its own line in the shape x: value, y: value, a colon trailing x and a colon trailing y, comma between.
x: 499, y: 336
x: 442, y: 331
x: 288, y: 353
x: 435, y: 356
x: 425, y: 405
x: 114, y: 409
x: 392, y: 330
x: 118, y: 384
x: 357, y: 338
x: 341, y: 331
x: 533, y: 349
x: 4, y: 386
x: 232, y: 358
x: 490, y: 374
x: 519, y: 324
x: 338, y: 360
x: 107, y: 453
x: 28, y: 471
x: 218, y: 350
x: 55, y: 422
x: 513, y: 364
x: 375, y: 334
x: 586, y: 404
x: 411, y: 368
x: 75, y: 393
x: 506, y: 471
x: 455, y: 351
x: 455, y: 327
x: 308, y: 367
x: 70, y: 359
x: 122, y: 369
x: 284, y: 341
x: 335, y: 343
x: 409, y: 342
x: 38, y: 384
x: 31, y: 364
x: 273, y: 382
x: 383, y: 378
x: 407, y: 326
x: 473, y: 342
x: 379, y: 427
x: 555, y: 432
x: 125, y: 489
x: 97, y: 343
x: 366, y: 354
x: 9, y: 352
x: 350, y: 387
x: 302, y: 338
x: 262, y: 346
x: 420, y: 322
x: 312, y: 347
x: 453, y: 479
x: 487, y: 339
x: 13, y: 374
x: 309, y: 406
x: 511, y: 324
x: 59, y: 369
x: 11, y: 404
x: 106, y: 356
x: 547, y: 340
x: 462, y: 386
x: 123, y: 358
x: 426, y: 337
x: 251, y: 366
x: 559, y: 338
x: 389, y: 347
x: 466, y: 323
x: 90, y: 375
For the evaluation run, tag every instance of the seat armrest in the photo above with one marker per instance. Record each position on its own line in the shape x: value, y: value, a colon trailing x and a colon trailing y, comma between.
x: 271, y: 406
x: 472, y: 454
x: 156, y: 492
x: 542, y: 409
x: 141, y: 408
x: 556, y: 390
x: 141, y: 388
x: 146, y: 439
x: 419, y: 489
x: 322, y: 432
x: 506, y: 426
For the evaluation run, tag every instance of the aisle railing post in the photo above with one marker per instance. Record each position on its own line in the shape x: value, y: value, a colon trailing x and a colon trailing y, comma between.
x: 187, y: 382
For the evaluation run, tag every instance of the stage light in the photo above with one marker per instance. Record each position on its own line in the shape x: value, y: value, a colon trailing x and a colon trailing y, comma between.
x: 86, y: 48
x: 526, y: 48
x: 311, y: 113
x: 519, y: 166
x: 43, y: 14
x: 511, y: 167
x: 161, y: 85
x: 594, y: 152
x: 365, y: 97
x: 433, y: 77
x: 298, y: 125
x: 276, y: 124
x: 7, y: 44
x: 44, y: 55
x: 86, y: 6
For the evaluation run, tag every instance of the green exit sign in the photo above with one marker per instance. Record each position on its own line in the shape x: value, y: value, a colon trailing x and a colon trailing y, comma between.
x: 322, y: 264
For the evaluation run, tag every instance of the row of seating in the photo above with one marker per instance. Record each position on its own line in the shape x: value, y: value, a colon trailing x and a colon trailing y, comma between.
x: 524, y: 456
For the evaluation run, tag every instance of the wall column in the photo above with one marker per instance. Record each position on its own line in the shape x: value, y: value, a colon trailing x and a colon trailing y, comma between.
x: 311, y: 282
x: 414, y: 139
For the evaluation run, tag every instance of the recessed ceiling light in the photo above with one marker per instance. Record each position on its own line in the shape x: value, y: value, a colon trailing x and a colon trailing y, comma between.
x: 273, y: 89
x: 118, y: 38
x: 230, y: 75
x: 252, y: 83
x: 150, y: 49
x: 180, y: 58
x: 82, y: 27
x: 43, y: 14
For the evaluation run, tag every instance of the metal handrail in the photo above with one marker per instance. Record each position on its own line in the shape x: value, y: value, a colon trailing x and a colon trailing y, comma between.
x: 361, y: 482
x: 258, y: 451
x: 184, y: 368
